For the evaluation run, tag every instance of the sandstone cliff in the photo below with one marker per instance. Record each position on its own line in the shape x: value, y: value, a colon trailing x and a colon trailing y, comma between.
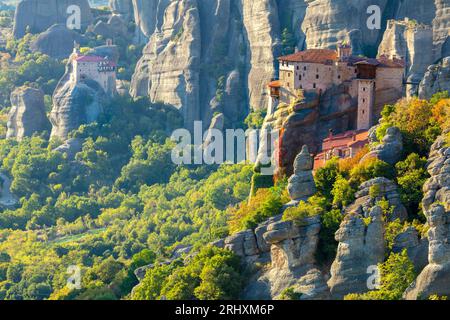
x: 409, y: 40
x: 360, y: 247
x: 435, y: 278
x: 79, y: 103
x: 328, y: 22
x: 27, y: 115
x: 436, y: 79
x: 38, y: 15
x: 57, y: 41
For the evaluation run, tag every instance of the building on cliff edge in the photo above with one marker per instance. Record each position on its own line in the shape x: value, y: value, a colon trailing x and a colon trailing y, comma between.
x: 372, y: 83
x: 343, y: 146
x: 93, y: 67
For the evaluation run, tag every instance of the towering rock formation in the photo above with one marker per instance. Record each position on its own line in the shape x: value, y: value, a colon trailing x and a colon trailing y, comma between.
x: 57, y: 41
x: 192, y: 61
x: 360, y: 247
x: 27, y: 115
x: 436, y: 79
x: 371, y: 192
x: 390, y: 149
x: 327, y: 24
x: 39, y: 15
x: 301, y: 184
x: 435, y: 278
x: 210, y: 47
x: 77, y: 103
x: 408, y: 40
x: 441, y: 26
x: 123, y: 8
x: 262, y: 27
x: 291, y: 263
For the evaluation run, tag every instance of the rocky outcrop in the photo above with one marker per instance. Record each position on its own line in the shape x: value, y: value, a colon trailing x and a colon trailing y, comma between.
x: 292, y: 262
x: 360, y: 247
x: 57, y: 42
x: 416, y: 247
x: 390, y: 149
x: 408, y: 40
x: 373, y: 191
x: 441, y: 25
x: 122, y: 8
x: 436, y: 79
x: 169, y: 69
x: 301, y: 184
x: 74, y: 105
x: 27, y: 114
x: 263, y: 34
x: 38, y: 15
x: 79, y: 103
x: 115, y: 27
x: 70, y: 148
x: 206, y: 55
x: 435, y: 277
x: 327, y: 24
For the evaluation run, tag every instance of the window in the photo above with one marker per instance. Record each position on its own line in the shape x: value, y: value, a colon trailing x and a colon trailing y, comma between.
x: 314, y: 85
x: 300, y: 77
x: 339, y: 76
x: 364, y: 101
x: 317, y: 76
x: 304, y: 68
x: 298, y: 67
x: 364, y: 89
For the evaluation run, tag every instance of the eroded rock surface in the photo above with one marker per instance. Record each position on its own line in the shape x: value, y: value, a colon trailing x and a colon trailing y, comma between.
x: 57, y: 41
x: 38, y: 15
x: 360, y: 247
x: 390, y: 149
x: 435, y: 277
x: 27, y: 114
x: 301, y: 184
x: 373, y: 191
x: 436, y: 79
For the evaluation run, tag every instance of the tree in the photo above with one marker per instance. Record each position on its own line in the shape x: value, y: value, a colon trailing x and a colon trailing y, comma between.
x: 397, y: 273
x: 325, y: 178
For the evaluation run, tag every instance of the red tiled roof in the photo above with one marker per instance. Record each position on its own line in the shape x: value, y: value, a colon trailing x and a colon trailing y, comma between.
x: 326, y: 56
x: 312, y: 55
x: 95, y: 59
x: 89, y: 59
x: 275, y: 84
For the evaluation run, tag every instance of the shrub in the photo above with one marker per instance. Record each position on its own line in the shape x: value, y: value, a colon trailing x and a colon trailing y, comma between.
x: 325, y: 178
x: 343, y: 193
x: 369, y: 169
x: 290, y: 294
x: 397, y: 273
x: 331, y: 220
x: 411, y: 176
x: 304, y: 210
x: 264, y: 204
x: 346, y: 165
